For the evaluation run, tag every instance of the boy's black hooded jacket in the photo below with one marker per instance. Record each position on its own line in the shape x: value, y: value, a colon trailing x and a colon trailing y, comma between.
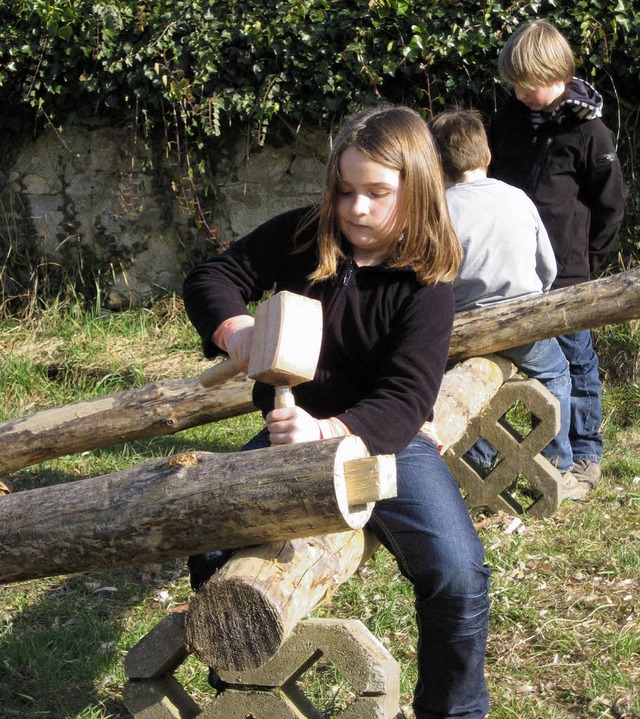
x: 566, y: 162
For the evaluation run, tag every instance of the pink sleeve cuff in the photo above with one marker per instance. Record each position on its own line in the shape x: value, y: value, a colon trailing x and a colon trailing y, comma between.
x: 332, y: 427
x: 221, y: 336
x: 429, y: 430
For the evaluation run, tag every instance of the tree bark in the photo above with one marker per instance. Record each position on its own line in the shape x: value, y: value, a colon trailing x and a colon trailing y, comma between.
x: 243, y: 614
x: 516, y: 322
x: 188, y: 503
x: 167, y: 407
x: 154, y: 410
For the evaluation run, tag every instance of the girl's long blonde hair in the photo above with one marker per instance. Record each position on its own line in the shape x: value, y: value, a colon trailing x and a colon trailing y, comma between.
x: 398, y: 138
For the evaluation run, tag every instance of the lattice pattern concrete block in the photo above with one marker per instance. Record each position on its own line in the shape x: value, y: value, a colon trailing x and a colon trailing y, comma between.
x: 162, y: 698
x: 347, y: 644
x: 160, y: 651
x: 361, y: 659
x: 520, y: 455
x: 271, y: 691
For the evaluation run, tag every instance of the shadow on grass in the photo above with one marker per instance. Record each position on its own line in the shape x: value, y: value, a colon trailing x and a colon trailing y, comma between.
x: 59, y: 646
x: 61, y: 638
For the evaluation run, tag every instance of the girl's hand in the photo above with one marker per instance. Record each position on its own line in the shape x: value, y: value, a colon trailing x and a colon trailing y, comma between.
x: 239, y: 347
x: 290, y: 425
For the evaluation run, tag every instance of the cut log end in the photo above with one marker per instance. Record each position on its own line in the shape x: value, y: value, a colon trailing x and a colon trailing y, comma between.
x: 360, y: 480
x: 370, y: 479
x: 218, y: 635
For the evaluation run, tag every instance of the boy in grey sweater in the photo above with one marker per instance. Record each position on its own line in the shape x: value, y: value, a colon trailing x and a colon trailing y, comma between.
x: 507, y: 255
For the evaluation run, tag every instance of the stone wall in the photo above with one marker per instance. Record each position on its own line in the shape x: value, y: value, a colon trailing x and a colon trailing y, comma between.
x: 91, y: 198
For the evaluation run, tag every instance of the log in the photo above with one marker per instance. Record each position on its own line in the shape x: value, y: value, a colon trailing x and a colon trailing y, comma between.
x: 244, y: 613
x: 190, y: 503
x: 571, y: 309
x: 264, y: 592
x: 466, y: 390
x: 167, y: 407
x: 154, y: 410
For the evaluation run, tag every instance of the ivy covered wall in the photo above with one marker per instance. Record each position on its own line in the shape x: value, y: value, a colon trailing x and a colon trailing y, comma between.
x: 207, y: 64
x: 192, y: 78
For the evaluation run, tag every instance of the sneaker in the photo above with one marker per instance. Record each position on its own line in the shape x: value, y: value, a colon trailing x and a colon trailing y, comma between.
x: 586, y: 471
x: 573, y: 488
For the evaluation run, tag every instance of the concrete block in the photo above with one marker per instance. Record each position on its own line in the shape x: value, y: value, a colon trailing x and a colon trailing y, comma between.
x: 363, y: 661
x: 272, y: 691
x: 345, y: 643
x: 160, y: 651
x: 520, y: 455
x: 162, y: 698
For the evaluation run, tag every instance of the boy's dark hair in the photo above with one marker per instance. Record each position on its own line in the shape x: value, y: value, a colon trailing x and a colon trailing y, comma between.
x: 461, y: 140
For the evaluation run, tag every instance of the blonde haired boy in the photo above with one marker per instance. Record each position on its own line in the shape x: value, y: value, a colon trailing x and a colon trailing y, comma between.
x: 549, y: 139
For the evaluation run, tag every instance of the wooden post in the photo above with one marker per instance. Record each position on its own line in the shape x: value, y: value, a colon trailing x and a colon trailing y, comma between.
x: 246, y: 611
x: 190, y: 503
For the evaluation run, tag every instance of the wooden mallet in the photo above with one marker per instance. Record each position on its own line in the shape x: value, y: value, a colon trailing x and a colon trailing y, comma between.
x: 285, y: 346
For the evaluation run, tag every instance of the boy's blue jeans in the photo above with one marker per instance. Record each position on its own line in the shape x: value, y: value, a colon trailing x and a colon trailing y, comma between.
x: 586, y: 402
x: 545, y: 361
x: 428, y: 529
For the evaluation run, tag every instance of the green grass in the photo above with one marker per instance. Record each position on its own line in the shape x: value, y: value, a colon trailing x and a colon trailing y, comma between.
x: 564, y: 638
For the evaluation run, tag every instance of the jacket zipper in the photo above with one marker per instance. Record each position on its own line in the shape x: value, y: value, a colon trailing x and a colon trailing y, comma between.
x: 344, y: 280
x: 348, y: 271
x: 538, y: 164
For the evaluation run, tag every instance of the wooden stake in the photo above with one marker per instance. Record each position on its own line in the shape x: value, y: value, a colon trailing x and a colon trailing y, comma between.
x: 370, y: 479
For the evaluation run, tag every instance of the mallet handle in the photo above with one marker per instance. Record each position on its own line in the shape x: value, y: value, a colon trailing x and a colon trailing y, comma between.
x: 219, y: 373
x: 284, y: 397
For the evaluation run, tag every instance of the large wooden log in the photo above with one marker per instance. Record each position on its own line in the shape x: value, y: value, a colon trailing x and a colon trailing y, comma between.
x: 591, y: 304
x: 240, y: 618
x: 154, y: 410
x: 264, y: 592
x: 191, y: 503
x: 167, y: 407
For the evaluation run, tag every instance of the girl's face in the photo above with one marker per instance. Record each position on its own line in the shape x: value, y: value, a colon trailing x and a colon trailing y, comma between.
x: 368, y: 207
x: 542, y: 97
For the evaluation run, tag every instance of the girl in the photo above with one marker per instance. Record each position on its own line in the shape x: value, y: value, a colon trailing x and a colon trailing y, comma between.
x: 379, y: 252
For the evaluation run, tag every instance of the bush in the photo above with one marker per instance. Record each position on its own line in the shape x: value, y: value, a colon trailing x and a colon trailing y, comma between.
x: 186, y: 71
x: 207, y: 65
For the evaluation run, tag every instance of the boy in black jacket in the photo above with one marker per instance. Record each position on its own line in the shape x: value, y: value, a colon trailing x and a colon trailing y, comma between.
x: 549, y: 140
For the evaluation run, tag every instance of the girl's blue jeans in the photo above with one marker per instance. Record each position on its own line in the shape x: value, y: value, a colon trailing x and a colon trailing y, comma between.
x: 428, y: 530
